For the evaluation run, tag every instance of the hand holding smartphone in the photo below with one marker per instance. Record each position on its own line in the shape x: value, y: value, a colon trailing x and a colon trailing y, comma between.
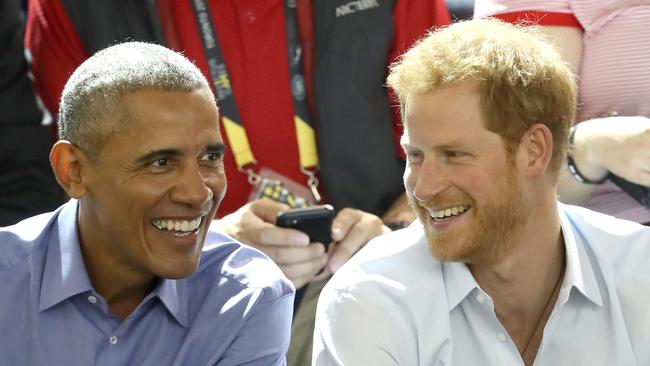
x: 315, y: 221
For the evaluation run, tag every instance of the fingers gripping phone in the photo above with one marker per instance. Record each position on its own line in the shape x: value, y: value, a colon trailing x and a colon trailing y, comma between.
x: 315, y: 221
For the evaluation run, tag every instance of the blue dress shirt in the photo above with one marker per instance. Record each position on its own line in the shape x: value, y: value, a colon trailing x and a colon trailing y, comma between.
x: 234, y: 310
x: 394, y: 304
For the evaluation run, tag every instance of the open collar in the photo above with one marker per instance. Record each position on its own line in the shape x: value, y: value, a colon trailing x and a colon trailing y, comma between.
x: 64, y: 272
x: 459, y: 282
x: 579, y: 271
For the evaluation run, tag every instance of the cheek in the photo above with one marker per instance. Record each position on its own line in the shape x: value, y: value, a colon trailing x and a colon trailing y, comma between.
x: 218, y: 184
x: 154, y: 187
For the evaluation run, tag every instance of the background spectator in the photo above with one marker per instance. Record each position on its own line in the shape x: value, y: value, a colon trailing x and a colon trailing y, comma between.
x: 608, y: 45
x: 27, y: 185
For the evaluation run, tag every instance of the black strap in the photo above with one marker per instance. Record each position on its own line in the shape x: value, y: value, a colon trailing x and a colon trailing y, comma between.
x: 298, y: 89
x: 222, y: 86
x: 216, y: 64
x: 640, y: 193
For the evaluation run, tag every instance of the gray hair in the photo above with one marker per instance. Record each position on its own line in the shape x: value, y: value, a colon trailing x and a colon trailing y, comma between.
x: 90, y: 104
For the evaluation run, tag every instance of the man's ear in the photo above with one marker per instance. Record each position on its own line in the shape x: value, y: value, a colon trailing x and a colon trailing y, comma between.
x: 67, y: 163
x: 537, y: 147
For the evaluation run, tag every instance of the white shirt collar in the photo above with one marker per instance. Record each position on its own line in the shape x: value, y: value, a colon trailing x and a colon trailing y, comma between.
x: 579, y: 270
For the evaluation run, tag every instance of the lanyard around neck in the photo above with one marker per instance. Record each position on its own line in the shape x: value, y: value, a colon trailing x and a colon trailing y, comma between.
x: 231, y: 120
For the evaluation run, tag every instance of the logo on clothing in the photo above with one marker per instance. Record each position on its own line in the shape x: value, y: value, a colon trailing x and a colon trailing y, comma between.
x: 298, y: 87
x: 355, y: 6
x: 221, y: 79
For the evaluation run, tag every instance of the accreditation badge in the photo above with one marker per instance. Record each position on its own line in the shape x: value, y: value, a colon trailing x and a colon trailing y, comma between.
x: 277, y: 187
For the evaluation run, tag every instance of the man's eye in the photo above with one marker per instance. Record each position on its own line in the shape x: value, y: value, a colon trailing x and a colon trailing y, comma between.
x: 213, y: 158
x: 453, y: 154
x: 413, y: 156
x: 160, y: 163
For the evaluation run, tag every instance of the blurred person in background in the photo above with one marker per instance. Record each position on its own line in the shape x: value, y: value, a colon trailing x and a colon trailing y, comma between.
x: 607, y: 43
x: 27, y: 185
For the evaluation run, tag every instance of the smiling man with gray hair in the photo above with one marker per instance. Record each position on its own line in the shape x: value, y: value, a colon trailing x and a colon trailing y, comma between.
x: 128, y: 272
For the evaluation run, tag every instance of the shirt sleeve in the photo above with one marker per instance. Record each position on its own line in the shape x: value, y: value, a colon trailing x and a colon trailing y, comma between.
x: 546, y: 13
x: 55, y: 47
x: 411, y: 21
x: 352, y: 330
x: 264, y: 338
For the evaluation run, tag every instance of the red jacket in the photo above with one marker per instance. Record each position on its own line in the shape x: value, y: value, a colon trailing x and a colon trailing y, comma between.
x: 352, y: 47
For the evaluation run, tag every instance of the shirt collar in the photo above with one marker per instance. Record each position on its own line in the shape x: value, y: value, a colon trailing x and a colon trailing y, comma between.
x: 579, y: 271
x: 459, y: 282
x: 65, y: 275
x: 173, y: 295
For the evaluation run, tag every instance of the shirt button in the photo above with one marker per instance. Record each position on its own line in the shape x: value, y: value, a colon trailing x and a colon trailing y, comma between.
x: 113, y: 340
x: 92, y: 299
x: 501, y: 337
x: 480, y: 298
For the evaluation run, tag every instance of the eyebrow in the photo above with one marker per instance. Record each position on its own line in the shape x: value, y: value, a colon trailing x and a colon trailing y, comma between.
x: 218, y: 147
x: 450, y: 145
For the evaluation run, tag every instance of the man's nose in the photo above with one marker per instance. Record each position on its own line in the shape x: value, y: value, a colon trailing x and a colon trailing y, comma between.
x: 430, y: 180
x: 191, y: 189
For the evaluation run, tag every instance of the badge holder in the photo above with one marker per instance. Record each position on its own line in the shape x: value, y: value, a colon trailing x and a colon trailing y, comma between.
x: 272, y: 185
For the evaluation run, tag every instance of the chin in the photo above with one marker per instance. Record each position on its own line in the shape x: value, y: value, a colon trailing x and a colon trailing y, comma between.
x: 444, y: 254
x: 449, y: 247
x: 178, y: 270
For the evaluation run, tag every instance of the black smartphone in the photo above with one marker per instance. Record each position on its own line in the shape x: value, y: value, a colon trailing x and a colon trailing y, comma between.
x: 315, y: 221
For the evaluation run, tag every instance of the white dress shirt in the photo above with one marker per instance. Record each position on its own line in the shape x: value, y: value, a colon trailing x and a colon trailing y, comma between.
x: 394, y: 304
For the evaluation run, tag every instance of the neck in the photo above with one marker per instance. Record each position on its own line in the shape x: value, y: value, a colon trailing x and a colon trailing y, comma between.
x: 122, y: 291
x: 524, y: 284
x: 123, y: 287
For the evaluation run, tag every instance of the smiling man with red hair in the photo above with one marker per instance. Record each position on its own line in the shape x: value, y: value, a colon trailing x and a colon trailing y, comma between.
x: 496, y: 271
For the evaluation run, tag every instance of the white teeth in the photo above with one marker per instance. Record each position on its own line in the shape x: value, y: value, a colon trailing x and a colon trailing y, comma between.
x: 177, y: 225
x: 448, y: 212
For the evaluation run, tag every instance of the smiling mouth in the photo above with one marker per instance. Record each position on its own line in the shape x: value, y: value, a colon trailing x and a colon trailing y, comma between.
x: 178, y: 227
x: 447, y: 213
